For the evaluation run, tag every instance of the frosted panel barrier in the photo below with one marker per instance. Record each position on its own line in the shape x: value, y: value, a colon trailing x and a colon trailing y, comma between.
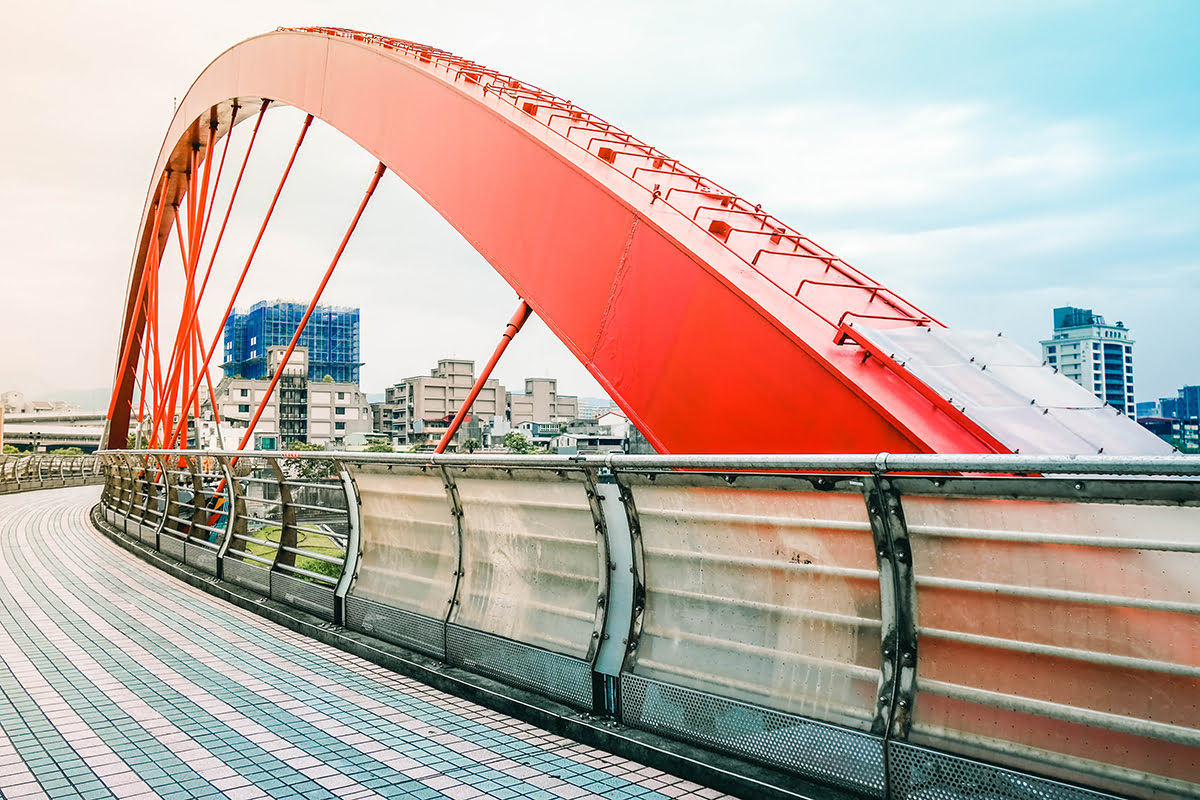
x: 531, y: 561
x: 765, y: 596
x: 408, y: 540
x: 1061, y: 630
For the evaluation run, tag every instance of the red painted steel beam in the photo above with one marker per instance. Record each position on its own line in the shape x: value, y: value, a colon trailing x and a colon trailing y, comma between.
x: 658, y: 298
x: 510, y: 330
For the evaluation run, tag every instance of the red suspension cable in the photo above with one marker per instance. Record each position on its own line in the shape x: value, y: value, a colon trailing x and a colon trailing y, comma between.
x: 312, y: 305
x: 262, y: 229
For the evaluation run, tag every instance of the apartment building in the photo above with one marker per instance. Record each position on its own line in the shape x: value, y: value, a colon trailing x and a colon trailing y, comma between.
x: 299, y: 409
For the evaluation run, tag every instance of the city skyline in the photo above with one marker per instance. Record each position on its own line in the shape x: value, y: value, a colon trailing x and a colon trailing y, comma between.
x: 1035, y: 174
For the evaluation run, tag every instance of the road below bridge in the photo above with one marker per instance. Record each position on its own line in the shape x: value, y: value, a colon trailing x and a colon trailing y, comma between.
x: 120, y: 681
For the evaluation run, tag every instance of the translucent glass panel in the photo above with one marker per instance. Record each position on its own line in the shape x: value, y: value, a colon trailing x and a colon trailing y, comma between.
x: 408, y: 541
x: 531, y: 561
x: 771, y: 597
x: 1056, y: 630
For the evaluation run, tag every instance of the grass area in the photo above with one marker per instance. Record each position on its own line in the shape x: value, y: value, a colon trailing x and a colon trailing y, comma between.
x: 306, y: 540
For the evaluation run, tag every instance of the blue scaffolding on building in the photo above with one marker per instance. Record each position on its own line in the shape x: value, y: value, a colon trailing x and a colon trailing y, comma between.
x: 331, y: 336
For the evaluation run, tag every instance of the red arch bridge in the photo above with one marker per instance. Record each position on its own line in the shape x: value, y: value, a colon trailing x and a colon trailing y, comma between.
x: 999, y: 602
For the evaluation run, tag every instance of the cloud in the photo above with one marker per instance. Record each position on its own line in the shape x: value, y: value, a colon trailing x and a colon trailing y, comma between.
x: 827, y: 158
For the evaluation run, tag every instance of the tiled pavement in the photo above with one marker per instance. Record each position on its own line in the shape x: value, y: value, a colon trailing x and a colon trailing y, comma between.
x: 119, y: 681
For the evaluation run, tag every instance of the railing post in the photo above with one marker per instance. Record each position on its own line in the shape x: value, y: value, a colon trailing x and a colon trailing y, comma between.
x: 125, y: 502
x: 287, y: 519
x: 353, y: 544
x: 898, y: 597
x: 232, y: 513
x: 143, y: 471
x: 456, y: 511
x: 612, y: 506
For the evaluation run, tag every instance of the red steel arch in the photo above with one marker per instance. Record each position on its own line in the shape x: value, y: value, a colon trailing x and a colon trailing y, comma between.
x: 712, y: 324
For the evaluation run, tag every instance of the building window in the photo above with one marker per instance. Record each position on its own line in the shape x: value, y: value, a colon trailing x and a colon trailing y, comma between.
x: 244, y: 408
x: 339, y: 426
x: 340, y: 411
x: 245, y: 392
x: 341, y: 395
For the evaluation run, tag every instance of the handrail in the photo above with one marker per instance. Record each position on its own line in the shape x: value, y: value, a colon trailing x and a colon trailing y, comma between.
x: 879, y: 463
x: 27, y: 471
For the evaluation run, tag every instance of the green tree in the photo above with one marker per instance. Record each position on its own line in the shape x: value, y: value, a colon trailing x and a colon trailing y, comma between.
x: 471, y: 445
x: 67, y: 451
x: 379, y: 447
x: 307, y: 469
x: 517, y: 442
x: 327, y: 379
x: 9, y: 449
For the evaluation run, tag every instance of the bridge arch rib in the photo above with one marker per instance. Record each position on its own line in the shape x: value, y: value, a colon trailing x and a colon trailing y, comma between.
x: 674, y: 293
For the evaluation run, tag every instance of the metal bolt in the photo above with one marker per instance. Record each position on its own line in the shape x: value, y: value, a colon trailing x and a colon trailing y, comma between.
x: 883, y: 699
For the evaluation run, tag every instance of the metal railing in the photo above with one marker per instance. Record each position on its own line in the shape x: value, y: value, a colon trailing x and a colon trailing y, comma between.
x: 27, y: 471
x: 899, y: 626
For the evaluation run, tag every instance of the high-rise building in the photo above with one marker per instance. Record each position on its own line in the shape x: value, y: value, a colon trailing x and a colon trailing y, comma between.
x: 1094, y: 354
x: 331, y: 338
x: 1185, y: 405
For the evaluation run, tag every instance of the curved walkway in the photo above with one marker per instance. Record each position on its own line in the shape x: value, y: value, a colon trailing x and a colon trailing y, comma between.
x: 119, y: 681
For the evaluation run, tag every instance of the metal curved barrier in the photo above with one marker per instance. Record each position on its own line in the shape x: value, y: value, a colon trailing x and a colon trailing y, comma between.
x: 902, y: 628
x: 27, y: 471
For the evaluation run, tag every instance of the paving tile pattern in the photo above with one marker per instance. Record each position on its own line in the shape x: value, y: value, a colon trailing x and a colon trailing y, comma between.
x: 118, y: 681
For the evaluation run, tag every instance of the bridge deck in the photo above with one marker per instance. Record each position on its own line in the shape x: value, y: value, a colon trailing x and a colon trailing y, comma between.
x: 118, y: 681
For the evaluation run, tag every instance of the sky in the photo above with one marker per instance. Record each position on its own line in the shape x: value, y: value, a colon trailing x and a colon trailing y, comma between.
x: 988, y: 160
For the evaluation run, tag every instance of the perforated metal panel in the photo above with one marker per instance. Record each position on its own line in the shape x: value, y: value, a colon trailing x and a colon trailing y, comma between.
x: 304, y: 595
x: 920, y: 774
x: 170, y: 546
x: 247, y: 575
x: 560, y: 677
x: 200, y: 557
x: 828, y: 753
x: 415, y: 631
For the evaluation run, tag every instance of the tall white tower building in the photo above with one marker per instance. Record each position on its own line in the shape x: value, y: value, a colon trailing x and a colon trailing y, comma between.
x: 1094, y: 354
